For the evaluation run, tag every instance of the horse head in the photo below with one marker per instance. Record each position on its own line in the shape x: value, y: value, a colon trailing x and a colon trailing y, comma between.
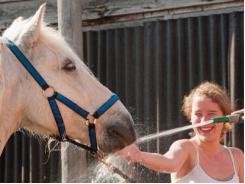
x: 23, y: 103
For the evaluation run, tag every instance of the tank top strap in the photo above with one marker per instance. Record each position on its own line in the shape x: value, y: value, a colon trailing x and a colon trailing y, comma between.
x: 197, y: 153
x: 232, y: 159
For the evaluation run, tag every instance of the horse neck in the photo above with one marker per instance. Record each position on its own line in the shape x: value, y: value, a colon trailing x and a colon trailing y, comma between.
x: 10, y: 112
x: 4, y: 136
x: 9, y: 123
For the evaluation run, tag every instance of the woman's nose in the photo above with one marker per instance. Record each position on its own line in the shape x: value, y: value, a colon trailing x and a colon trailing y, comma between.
x: 205, y: 118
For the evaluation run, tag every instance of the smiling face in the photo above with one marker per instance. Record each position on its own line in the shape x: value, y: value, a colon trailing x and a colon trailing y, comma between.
x: 203, y: 109
x: 205, y: 101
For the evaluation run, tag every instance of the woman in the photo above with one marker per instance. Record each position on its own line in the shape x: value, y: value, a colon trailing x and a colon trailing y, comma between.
x: 202, y: 158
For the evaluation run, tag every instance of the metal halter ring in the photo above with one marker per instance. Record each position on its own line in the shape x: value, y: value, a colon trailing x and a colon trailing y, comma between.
x: 90, y: 119
x: 49, y: 92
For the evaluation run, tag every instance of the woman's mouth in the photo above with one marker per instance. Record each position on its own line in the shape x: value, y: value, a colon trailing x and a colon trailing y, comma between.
x: 205, y: 130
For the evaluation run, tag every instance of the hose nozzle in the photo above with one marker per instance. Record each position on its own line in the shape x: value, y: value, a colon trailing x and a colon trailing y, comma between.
x: 235, y: 118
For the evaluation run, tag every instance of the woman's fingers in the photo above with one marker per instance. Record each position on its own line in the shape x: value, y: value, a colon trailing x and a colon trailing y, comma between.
x: 129, y: 152
x: 241, y: 111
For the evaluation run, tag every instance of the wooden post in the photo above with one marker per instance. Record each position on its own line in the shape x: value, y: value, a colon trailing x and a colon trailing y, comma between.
x: 235, y: 81
x: 70, y: 23
x: 73, y: 161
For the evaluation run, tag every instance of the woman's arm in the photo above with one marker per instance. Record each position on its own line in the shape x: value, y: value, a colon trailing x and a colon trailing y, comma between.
x: 239, y: 162
x: 241, y: 111
x: 170, y: 162
x: 240, y: 158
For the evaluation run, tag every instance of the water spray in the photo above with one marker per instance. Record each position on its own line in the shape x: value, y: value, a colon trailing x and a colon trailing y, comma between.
x: 100, y: 157
x: 114, y: 169
x: 236, y: 118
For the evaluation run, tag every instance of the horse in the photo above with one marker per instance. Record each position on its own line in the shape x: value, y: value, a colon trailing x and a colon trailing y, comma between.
x: 69, y: 88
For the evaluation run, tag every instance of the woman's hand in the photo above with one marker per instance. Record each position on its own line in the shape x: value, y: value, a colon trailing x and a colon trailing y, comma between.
x: 131, y: 153
x: 240, y: 112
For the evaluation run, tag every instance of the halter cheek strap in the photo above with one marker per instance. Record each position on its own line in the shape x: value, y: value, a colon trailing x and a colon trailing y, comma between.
x: 53, y: 95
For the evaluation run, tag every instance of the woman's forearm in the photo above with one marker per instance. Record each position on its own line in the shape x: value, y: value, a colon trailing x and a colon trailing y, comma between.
x: 170, y: 162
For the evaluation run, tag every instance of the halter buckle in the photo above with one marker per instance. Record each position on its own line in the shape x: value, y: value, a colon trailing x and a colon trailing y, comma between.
x: 49, y: 92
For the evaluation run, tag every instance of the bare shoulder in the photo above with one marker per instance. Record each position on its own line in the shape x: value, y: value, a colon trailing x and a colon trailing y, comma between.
x: 184, y: 144
x: 238, y: 153
x: 239, y: 159
x: 187, y: 150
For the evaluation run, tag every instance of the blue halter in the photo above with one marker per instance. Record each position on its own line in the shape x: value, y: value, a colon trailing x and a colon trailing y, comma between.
x: 53, y: 95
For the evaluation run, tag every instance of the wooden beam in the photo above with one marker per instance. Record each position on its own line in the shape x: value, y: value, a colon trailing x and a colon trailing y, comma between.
x: 98, y: 14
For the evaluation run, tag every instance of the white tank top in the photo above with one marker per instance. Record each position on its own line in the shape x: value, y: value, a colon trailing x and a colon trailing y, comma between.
x: 198, y: 175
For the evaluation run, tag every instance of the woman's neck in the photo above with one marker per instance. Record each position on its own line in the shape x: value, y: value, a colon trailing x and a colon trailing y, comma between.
x: 209, y: 147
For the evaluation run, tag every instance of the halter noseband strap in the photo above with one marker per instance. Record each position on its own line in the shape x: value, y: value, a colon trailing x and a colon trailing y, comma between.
x: 52, y: 96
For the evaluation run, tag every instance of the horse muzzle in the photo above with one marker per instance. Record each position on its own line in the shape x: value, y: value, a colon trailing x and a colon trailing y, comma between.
x: 117, y: 133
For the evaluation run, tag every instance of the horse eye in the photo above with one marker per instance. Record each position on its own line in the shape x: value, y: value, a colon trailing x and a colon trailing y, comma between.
x: 69, y: 66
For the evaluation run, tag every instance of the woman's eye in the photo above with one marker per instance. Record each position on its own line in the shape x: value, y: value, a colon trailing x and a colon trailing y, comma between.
x: 211, y: 115
x: 69, y: 66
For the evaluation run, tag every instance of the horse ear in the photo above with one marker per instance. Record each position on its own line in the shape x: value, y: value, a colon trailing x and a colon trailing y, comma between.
x: 32, y: 31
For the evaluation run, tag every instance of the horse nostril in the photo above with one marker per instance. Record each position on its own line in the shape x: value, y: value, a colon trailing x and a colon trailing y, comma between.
x: 118, y: 133
x: 123, y: 133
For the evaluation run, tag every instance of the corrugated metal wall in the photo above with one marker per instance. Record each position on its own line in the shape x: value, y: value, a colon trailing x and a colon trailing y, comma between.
x: 151, y: 67
x: 26, y: 159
